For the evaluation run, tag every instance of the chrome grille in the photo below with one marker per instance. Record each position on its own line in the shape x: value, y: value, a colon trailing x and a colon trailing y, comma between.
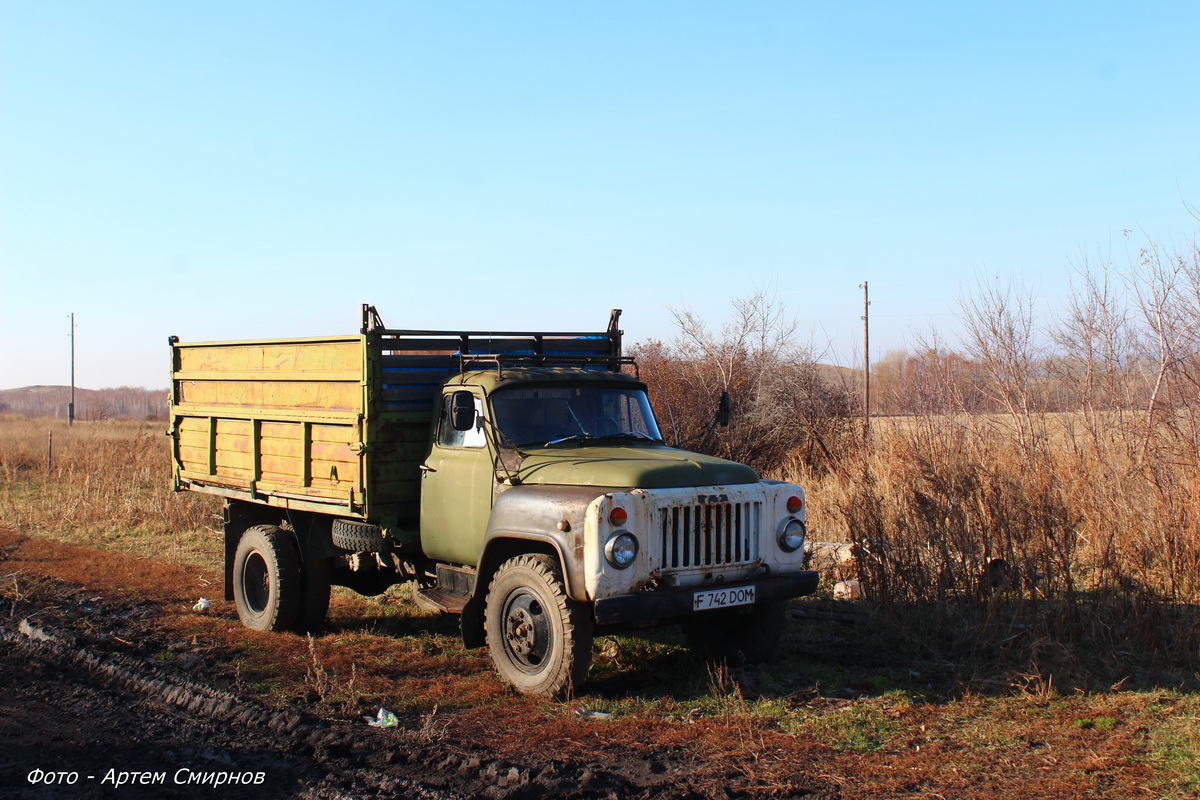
x: 710, y: 534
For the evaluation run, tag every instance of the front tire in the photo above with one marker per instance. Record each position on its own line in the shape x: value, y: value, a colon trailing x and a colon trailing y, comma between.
x: 267, y: 581
x: 540, y: 640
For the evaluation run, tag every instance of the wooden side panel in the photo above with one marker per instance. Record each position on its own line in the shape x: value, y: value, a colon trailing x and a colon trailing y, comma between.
x: 320, y: 359
x: 320, y: 395
x: 299, y: 458
x: 274, y: 419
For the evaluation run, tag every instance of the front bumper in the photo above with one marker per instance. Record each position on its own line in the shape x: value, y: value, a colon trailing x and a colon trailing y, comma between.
x: 649, y: 608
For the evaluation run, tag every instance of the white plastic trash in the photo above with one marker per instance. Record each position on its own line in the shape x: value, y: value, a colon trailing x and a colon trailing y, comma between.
x: 590, y: 714
x: 847, y: 590
x: 202, y: 606
x: 384, y: 719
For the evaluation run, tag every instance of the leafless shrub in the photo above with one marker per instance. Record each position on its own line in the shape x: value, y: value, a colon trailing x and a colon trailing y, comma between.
x: 1000, y: 339
x: 781, y: 405
x: 433, y: 728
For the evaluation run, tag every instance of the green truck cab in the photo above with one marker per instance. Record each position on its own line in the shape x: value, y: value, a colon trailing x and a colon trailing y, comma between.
x: 518, y: 479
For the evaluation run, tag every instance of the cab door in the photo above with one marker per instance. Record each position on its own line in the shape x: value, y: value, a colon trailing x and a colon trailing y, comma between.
x: 457, y: 481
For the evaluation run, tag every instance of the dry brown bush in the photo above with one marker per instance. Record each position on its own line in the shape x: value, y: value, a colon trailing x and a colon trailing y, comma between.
x: 1084, y: 481
x: 781, y: 404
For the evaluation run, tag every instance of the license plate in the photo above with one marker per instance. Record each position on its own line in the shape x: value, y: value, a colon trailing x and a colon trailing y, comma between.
x: 723, y: 598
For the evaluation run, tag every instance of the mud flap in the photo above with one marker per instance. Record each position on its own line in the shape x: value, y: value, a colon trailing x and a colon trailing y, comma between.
x: 471, y: 624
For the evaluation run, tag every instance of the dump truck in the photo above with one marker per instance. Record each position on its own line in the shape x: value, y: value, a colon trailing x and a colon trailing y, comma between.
x: 517, y: 479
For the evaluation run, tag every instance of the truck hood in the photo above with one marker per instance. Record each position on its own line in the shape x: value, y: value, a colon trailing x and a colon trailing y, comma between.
x: 646, y: 467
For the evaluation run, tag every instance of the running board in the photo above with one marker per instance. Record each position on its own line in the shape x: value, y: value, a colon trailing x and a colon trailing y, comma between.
x: 438, y: 599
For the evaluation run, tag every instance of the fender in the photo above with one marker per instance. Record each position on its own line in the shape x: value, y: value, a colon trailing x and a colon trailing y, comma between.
x: 525, y: 519
x: 551, y: 515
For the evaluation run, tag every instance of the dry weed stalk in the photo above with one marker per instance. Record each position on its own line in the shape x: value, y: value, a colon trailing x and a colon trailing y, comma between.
x: 432, y: 729
x: 316, y: 676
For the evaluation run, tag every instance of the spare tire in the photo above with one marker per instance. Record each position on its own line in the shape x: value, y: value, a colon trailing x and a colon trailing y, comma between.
x: 359, y: 537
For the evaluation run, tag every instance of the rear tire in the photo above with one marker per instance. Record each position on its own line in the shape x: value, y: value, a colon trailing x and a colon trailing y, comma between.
x: 540, y: 640
x: 737, y: 637
x: 267, y: 582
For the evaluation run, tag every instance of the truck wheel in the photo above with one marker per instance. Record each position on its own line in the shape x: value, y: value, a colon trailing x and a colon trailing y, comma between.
x: 314, y: 598
x: 540, y: 639
x: 737, y: 637
x: 266, y: 579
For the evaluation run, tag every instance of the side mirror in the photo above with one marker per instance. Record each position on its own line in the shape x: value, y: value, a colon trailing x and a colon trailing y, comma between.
x: 462, y: 411
x: 724, y: 410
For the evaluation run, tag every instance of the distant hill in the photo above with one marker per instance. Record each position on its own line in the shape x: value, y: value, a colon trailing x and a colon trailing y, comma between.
x: 124, y: 402
x: 846, y: 377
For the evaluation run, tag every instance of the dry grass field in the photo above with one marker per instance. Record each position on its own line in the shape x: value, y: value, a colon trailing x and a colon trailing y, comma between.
x: 1095, y: 516
x: 1074, y: 675
x: 104, y: 484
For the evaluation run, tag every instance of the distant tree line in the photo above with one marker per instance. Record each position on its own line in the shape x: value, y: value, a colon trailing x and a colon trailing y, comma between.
x: 123, y: 402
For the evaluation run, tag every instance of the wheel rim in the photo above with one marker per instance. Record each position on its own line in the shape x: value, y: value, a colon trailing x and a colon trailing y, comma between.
x: 527, y: 638
x: 256, y: 582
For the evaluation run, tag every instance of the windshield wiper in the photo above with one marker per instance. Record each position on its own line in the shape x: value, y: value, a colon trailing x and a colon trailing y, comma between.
x: 591, y: 437
x: 629, y: 435
x: 575, y: 437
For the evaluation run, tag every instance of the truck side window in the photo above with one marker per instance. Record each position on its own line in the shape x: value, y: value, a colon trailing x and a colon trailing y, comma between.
x: 448, y: 437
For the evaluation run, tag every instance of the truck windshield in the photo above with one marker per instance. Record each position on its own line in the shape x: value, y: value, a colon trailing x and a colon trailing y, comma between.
x: 548, y: 414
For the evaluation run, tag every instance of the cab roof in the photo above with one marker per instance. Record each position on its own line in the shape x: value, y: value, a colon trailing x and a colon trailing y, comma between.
x: 493, y: 379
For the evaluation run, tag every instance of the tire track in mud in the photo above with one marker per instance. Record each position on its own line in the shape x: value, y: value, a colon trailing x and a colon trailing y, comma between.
x: 158, y: 721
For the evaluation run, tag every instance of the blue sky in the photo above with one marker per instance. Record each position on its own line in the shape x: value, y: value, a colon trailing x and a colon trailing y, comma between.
x: 224, y: 170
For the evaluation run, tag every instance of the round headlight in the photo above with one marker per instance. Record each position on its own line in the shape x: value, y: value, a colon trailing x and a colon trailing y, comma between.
x: 621, y: 549
x: 791, y: 538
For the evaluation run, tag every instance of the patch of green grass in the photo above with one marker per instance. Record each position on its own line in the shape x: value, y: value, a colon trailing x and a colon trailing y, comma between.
x: 1097, y: 723
x: 899, y: 697
x: 279, y: 689
x: 1174, y: 747
x: 991, y: 739
x: 850, y: 729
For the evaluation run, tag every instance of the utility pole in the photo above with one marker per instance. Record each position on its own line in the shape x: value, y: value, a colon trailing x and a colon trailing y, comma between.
x: 866, y: 363
x: 71, y: 405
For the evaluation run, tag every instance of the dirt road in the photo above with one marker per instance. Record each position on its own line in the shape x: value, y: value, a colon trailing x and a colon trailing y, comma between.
x: 103, y: 693
x: 111, y: 680
x: 115, y: 726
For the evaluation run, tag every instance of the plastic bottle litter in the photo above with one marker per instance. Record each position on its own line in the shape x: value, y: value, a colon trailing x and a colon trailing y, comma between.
x: 384, y: 719
x: 589, y: 714
x: 847, y: 590
x: 202, y: 606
